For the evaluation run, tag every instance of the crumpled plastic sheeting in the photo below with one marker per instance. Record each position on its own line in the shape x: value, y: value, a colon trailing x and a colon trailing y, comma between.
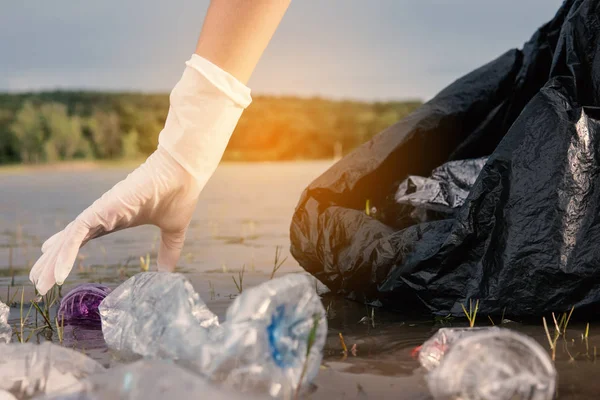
x: 526, y: 238
x: 494, y: 365
x: 434, y: 349
x: 447, y: 188
x: 5, y: 328
x: 80, y: 305
x: 27, y: 369
x: 260, y: 348
x: 147, y: 380
x: 156, y: 315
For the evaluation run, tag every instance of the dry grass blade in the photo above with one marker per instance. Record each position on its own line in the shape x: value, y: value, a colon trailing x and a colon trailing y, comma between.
x: 145, y: 264
x: 277, y: 263
x: 60, y: 329
x: 344, y: 347
x: 23, y: 319
x: 240, y: 285
x: 568, y: 319
x: 37, y: 307
x: 471, y: 314
x: 551, y: 342
x: 547, y: 333
x: 587, y: 330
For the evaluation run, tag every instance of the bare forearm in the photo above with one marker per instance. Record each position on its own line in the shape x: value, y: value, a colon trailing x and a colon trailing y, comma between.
x: 236, y: 32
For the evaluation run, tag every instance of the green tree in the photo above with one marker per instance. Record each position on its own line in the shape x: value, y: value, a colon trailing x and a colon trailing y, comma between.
x: 64, y: 139
x: 29, y: 131
x: 106, y: 134
x: 130, y: 145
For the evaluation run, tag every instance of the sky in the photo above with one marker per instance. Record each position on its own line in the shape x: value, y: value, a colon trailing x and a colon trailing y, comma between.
x: 352, y: 49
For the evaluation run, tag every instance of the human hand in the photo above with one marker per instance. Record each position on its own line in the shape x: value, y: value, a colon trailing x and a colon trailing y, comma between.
x: 205, y: 107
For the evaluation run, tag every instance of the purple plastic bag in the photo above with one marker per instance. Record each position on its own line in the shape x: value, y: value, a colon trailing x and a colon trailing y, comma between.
x: 81, y: 303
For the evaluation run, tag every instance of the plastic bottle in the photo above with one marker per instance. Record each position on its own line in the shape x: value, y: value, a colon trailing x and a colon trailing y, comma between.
x: 28, y: 369
x: 433, y: 350
x: 494, y: 365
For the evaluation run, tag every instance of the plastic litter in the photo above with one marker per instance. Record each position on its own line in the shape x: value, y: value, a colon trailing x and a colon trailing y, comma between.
x: 80, y: 305
x: 525, y: 238
x: 435, y: 348
x: 494, y: 365
x: 147, y: 380
x: 5, y: 328
x: 265, y: 338
x: 262, y: 346
x: 27, y: 369
x: 155, y: 315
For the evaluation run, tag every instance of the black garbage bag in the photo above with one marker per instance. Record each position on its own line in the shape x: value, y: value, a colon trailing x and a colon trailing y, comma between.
x: 527, y: 237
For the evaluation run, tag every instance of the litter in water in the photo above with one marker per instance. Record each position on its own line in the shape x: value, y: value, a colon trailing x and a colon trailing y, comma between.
x: 81, y: 303
x: 495, y: 364
x: 271, y: 341
x: 28, y: 369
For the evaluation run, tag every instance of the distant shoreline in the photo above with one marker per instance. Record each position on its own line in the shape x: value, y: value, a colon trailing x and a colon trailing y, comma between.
x: 93, y: 165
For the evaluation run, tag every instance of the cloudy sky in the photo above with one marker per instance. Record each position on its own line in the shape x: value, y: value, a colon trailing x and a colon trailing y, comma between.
x: 358, y: 49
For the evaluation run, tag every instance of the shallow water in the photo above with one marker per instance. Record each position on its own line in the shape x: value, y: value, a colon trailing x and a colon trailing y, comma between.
x: 242, y: 217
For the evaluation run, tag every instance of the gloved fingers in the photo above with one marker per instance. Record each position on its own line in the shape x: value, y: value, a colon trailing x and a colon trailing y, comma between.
x: 171, y: 244
x: 52, y: 240
x: 36, y: 270
x: 73, y: 238
x: 42, y: 273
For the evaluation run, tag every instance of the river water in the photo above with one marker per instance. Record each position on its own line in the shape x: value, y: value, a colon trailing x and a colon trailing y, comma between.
x: 242, y: 217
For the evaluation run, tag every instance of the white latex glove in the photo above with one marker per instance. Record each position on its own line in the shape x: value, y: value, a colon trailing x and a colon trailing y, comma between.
x: 206, y: 105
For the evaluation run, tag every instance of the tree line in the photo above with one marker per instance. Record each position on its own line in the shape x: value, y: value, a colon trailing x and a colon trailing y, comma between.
x: 68, y: 125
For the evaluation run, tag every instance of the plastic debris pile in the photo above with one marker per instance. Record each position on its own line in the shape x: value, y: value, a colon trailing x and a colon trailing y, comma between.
x: 487, y: 364
x: 271, y: 341
x: 270, y: 344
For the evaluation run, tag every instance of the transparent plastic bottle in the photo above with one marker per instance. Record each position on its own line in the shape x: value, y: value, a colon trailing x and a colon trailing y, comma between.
x: 433, y: 350
x: 28, y: 369
x: 272, y: 340
x: 494, y: 365
x: 155, y: 315
x: 146, y: 380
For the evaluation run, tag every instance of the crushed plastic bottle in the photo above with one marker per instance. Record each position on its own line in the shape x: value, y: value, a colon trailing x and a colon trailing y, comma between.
x: 264, y: 346
x: 494, y: 365
x: 433, y: 350
x: 80, y: 305
x: 147, y: 380
x: 27, y: 369
x: 261, y: 347
x: 5, y: 328
x: 156, y: 315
